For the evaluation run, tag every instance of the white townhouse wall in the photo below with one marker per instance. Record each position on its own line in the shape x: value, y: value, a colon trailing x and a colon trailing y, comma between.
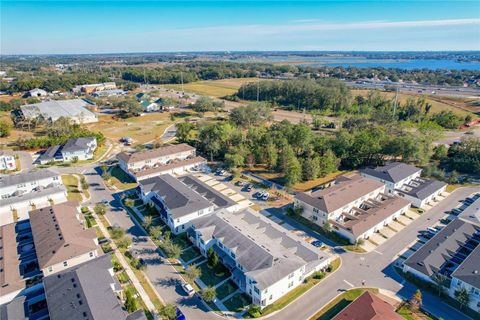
x: 457, y: 284
x: 392, y: 186
x: 177, y: 204
x: 393, y: 175
x: 329, y: 203
x: 7, y: 160
x: 266, y: 261
x: 147, y: 159
x: 423, y: 195
x: 68, y: 263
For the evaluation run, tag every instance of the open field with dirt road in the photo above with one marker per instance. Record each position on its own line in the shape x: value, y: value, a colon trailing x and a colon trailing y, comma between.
x: 213, y: 88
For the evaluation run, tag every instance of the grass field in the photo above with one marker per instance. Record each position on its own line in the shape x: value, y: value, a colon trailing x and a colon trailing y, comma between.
x: 213, y: 88
x: 438, y: 103
x: 71, y: 182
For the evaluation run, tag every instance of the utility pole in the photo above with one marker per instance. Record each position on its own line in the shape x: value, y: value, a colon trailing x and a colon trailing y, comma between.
x: 395, y: 102
x: 181, y: 80
x: 144, y: 76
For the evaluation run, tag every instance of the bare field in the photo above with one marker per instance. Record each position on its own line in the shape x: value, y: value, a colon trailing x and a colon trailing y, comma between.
x: 456, y: 105
x: 213, y: 88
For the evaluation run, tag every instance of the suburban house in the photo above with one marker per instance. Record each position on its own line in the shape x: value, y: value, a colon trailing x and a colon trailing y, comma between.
x: 355, y: 206
x: 181, y: 202
x: 51, y: 110
x: 32, y: 189
x: 37, y: 93
x: 141, y: 96
x: 265, y: 259
x: 88, y: 290
x: 165, y: 104
x: 172, y: 159
x: 74, y: 149
x: 90, y: 88
x: 404, y: 180
x: 148, y: 106
x: 7, y: 160
x: 18, y: 261
x: 454, y: 254
x: 368, y: 306
x: 60, y: 238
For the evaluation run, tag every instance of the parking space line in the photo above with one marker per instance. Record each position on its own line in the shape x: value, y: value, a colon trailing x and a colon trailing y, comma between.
x: 351, y: 285
x: 377, y: 252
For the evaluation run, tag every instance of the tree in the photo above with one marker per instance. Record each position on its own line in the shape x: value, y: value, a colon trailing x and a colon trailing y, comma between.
x: 251, y: 115
x: 100, y: 209
x: 155, y: 232
x: 147, y: 222
x: 448, y: 120
x: 204, y: 104
x: 440, y: 152
x: 254, y: 311
x: 193, y: 272
x: 208, y: 294
x: 465, y: 156
x: 117, y: 232
x: 124, y: 242
x: 129, y: 202
x: 185, y: 131
x: 130, y: 301
x: 327, y: 226
x: 463, y: 297
x: 328, y: 163
x: 440, y: 281
x: 294, y: 172
x: 234, y: 160
x: 416, y: 300
x: 168, y: 312
x: 310, y: 168
x: 271, y: 155
x: 5, y: 129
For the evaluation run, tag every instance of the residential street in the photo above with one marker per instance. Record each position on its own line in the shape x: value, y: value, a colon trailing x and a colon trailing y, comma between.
x: 373, y: 267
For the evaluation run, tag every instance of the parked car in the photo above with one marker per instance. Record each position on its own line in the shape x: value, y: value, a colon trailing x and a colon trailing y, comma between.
x: 188, y: 289
x: 456, y: 211
x: 469, y: 201
x: 317, y: 243
x: 229, y: 178
x: 180, y: 315
x: 265, y: 196
x: 248, y: 187
x: 432, y: 230
x: 239, y: 183
x: 259, y: 194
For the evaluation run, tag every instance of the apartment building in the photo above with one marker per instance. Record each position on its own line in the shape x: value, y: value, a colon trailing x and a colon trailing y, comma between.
x: 60, y: 238
x: 355, y: 206
x: 405, y: 181
x: 454, y: 253
x: 94, y: 87
x: 23, y: 191
x: 88, y: 290
x: 172, y: 159
x: 74, y: 149
x: 7, y: 160
x: 265, y: 259
x: 180, y: 201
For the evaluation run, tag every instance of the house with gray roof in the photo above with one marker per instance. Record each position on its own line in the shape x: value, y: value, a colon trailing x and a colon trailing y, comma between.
x: 454, y: 253
x: 7, y: 160
x: 51, y: 110
x: 265, y: 259
x: 73, y: 150
x: 405, y: 180
x: 87, y: 291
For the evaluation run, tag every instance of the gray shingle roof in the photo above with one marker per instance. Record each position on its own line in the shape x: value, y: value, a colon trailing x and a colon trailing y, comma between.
x: 14, y: 310
x: 84, y: 292
x: 469, y: 270
x: 24, y: 177
x: 267, y: 252
x: 424, y: 189
x: 77, y: 144
x: 393, y: 172
x: 434, y: 254
x: 219, y: 199
x: 178, y: 197
x: 472, y: 213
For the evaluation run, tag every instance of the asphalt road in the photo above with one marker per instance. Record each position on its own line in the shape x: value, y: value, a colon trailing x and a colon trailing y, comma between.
x: 374, y: 267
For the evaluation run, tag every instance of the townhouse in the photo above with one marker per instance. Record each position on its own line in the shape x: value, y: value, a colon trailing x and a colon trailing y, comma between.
x: 7, y: 160
x: 355, y: 206
x: 88, y: 290
x: 453, y: 253
x: 179, y: 201
x: 265, y: 259
x: 172, y: 159
x: 368, y: 306
x: 32, y: 189
x: 405, y: 181
x: 60, y: 238
x: 74, y: 149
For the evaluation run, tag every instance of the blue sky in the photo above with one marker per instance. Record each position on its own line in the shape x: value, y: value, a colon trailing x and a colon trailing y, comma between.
x: 36, y: 27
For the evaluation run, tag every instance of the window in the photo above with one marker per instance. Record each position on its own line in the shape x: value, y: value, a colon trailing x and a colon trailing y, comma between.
x: 232, y: 254
x: 65, y: 263
x: 50, y: 269
x: 290, y: 284
x: 290, y: 276
x: 315, y: 218
x: 256, y: 290
x: 315, y: 210
x: 91, y: 254
x: 271, y: 296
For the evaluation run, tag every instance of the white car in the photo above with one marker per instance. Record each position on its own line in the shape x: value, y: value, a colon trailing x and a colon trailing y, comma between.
x: 265, y: 196
x: 188, y: 289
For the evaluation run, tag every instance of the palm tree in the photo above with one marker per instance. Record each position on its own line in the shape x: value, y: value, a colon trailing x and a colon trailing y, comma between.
x: 193, y: 272
x: 147, y: 222
x: 463, y: 297
x: 439, y: 280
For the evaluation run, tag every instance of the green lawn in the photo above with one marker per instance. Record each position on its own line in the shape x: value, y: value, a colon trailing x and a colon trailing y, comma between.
x: 181, y: 240
x: 210, y: 276
x: 238, y: 302
x: 189, y: 254
x: 226, y: 289
x: 121, y: 180
x: 90, y: 220
x: 339, y: 303
x: 71, y: 182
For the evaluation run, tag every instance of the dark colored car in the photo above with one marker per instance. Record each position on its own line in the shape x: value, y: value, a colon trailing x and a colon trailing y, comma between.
x: 180, y: 315
x: 248, y: 187
x: 317, y: 243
